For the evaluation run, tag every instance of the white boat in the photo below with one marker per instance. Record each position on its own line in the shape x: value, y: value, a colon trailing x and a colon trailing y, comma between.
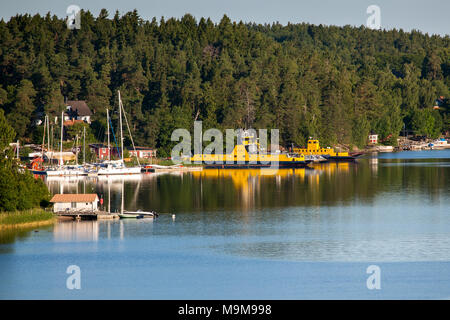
x: 138, y: 214
x: 114, y: 167
x: 128, y: 215
x: 144, y: 214
x: 439, y: 144
x: 66, y: 171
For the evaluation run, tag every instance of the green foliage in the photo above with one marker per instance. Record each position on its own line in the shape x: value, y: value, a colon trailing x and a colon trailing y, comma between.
x: 77, y: 129
x: 25, y: 216
x: 334, y: 83
x: 18, y: 189
x: 427, y: 122
x: 7, y: 135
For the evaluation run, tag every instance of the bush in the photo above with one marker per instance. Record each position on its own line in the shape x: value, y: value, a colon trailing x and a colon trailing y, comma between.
x: 18, y: 189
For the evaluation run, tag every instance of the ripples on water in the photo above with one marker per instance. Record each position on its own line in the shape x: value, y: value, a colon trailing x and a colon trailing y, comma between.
x: 394, y: 208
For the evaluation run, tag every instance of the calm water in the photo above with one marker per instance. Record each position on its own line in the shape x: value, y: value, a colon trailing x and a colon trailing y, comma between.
x: 290, y: 234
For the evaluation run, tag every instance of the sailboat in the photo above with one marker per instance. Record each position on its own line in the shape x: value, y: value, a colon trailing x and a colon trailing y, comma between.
x: 111, y: 167
x: 65, y: 170
x: 138, y: 214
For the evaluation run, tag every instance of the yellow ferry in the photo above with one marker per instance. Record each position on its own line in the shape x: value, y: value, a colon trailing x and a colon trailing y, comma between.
x: 328, y: 153
x: 248, y: 154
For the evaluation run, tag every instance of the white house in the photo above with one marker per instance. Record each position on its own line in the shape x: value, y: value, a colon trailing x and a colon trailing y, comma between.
x: 77, y: 110
x: 75, y: 202
x: 373, y: 139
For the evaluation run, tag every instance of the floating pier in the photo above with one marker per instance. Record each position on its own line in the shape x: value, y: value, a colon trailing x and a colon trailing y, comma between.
x: 87, y: 215
x: 156, y: 168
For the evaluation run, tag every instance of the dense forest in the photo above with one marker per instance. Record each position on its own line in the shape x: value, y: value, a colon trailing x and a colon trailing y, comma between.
x: 334, y: 83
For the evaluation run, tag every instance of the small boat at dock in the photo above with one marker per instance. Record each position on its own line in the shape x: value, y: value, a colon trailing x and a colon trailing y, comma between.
x: 137, y: 214
x: 144, y: 214
x: 128, y: 215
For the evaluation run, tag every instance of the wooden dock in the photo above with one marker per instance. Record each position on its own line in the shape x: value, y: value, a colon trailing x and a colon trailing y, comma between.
x: 154, y: 169
x: 87, y: 215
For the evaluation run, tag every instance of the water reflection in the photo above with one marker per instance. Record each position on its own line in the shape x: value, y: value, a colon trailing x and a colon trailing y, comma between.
x: 374, y: 208
x: 76, y: 231
x: 93, y: 230
x: 244, y: 190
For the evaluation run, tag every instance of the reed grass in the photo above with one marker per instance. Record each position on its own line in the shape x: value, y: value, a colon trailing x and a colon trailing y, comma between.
x: 24, y: 217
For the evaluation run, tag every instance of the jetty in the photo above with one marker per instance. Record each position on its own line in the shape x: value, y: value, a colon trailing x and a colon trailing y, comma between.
x: 87, y: 215
x: 175, y: 168
x: 79, y: 206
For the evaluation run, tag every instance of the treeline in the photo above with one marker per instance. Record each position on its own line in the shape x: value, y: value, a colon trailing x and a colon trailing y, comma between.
x: 18, y: 189
x: 334, y: 83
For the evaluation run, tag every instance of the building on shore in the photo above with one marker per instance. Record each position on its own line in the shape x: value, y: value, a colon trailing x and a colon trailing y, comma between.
x: 373, y: 139
x: 142, y: 152
x: 77, y: 110
x: 102, y: 152
x: 75, y: 202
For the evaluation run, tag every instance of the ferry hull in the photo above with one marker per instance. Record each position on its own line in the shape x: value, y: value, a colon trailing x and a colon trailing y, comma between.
x: 281, y: 164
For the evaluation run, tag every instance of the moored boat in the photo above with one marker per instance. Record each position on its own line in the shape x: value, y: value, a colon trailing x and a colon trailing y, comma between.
x: 118, y: 167
x: 144, y: 214
x: 247, y: 154
x: 66, y: 171
x: 115, y: 167
x: 439, y: 144
x: 128, y: 215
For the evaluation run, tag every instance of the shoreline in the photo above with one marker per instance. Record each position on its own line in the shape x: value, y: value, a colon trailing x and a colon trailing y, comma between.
x: 26, y: 219
x: 28, y: 224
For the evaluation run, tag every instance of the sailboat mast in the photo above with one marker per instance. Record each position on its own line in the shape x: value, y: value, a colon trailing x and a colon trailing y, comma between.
x: 61, y: 148
x: 76, y: 153
x: 109, y: 148
x: 120, y: 122
x: 109, y: 197
x: 43, y: 139
x: 52, y: 142
x: 84, y: 145
x: 48, y: 136
x: 121, y: 207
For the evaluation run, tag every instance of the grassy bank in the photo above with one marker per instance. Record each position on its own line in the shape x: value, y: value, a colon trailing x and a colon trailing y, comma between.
x: 26, y: 218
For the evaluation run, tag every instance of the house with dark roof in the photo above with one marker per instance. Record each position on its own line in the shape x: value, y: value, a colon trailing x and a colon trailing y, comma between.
x: 77, y: 110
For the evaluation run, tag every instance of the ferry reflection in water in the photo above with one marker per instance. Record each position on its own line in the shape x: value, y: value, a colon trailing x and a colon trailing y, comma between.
x: 216, y: 189
x: 308, y: 233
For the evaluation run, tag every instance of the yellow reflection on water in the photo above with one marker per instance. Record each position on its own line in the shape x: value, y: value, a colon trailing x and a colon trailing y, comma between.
x: 248, y: 182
